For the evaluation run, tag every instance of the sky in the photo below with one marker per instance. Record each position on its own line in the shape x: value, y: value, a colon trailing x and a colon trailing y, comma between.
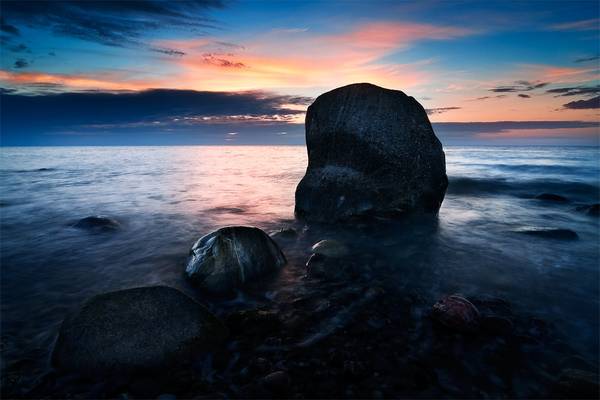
x: 243, y: 72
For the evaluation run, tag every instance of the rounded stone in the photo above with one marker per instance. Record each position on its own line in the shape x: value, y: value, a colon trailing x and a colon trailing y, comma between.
x: 330, y: 248
x: 145, y: 328
x: 229, y: 257
x: 371, y: 152
x: 97, y: 222
x: 457, y: 313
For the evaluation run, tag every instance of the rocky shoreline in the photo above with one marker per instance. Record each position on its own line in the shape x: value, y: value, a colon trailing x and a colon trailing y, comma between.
x: 346, y: 326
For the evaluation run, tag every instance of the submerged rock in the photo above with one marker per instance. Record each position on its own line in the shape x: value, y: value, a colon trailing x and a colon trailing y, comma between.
x: 145, y: 328
x: 98, y: 222
x: 577, y: 384
x: 320, y: 266
x: 331, y: 248
x: 371, y: 152
x: 229, y: 257
x: 592, y: 209
x: 552, y: 197
x: 457, y: 313
x: 562, y: 234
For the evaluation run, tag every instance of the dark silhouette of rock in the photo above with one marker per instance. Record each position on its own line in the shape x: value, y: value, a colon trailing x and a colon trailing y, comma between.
x: 331, y: 248
x: 577, y: 384
x: 98, y: 223
x: 592, y: 209
x: 371, y: 152
x: 550, y: 233
x: 552, y: 197
x: 457, y: 313
x: 227, y: 258
x: 147, y: 328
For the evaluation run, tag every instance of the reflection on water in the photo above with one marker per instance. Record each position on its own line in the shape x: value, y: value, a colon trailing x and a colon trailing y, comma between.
x: 166, y: 197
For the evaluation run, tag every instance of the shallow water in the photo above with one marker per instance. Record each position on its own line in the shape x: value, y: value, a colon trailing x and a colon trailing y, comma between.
x: 167, y: 197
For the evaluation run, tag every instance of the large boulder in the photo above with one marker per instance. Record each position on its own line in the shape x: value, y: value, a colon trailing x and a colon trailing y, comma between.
x: 147, y: 328
x: 371, y: 152
x: 229, y: 257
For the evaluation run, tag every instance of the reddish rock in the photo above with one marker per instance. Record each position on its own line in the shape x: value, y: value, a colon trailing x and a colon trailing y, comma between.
x: 457, y: 313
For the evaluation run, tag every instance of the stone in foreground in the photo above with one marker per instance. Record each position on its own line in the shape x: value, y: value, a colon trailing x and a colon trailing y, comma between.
x: 371, y: 152
x: 229, y: 257
x: 98, y: 223
x: 147, y: 328
x: 457, y: 313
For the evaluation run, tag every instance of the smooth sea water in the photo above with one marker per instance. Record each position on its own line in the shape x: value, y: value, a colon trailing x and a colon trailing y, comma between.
x: 167, y: 197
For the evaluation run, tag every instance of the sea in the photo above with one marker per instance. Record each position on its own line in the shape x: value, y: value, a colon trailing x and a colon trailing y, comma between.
x: 165, y: 198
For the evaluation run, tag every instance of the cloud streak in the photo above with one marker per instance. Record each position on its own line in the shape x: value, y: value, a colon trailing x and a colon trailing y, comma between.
x: 119, y: 24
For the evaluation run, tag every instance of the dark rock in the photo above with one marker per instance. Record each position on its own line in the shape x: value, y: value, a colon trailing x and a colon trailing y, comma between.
x: 323, y: 267
x: 144, y: 328
x: 552, y: 197
x: 229, y: 257
x: 145, y: 388
x: 277, y: 382
x: 495, y: 325
x: 457, y: 313
x: 371, y: 152
x: 577, y: 384
x: 549, y: 233
x: 331, y: 248
x: 97, y: 222
x: 250, y: 323
x: 592, y: 209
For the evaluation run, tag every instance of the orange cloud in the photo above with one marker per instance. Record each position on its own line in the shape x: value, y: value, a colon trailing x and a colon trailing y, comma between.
x: 299, y: 59
x: 98, y: 81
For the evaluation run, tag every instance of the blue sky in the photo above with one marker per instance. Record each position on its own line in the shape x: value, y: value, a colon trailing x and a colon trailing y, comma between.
x: 533, y: 62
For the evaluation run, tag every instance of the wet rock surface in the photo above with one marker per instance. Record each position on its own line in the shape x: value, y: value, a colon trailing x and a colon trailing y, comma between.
x: 135, y: 330
x: 363, y: 335
x: 457, y: 313
x: 229, y: 257
x: 552, y: 197
x: 372, y: 152
x: 550, y: 233
x: 98, y: 223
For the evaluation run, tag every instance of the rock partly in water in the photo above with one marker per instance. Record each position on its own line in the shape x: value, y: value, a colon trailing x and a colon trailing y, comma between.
x: 277, y: 382
x: 552, y: 197
x: 457, y: 313
x: 549, y: 233
x: 371, y: 152
x: 577, y: 384
x: 229, y: 257
x: 592, y: 209
x: 322, y: 267
x: 146, y: 328
x: 331, y: 248
x: 98, y: 223
x: 285, y: 233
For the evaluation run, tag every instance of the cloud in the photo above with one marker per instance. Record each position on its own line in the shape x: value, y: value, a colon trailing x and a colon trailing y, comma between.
x: 440, y: 110
x: 21, y: 63
x: 220, y: 60
x: 592, y: 103
x: 586, y: 59
x: 21, y: 48
x: 169, y: 52
x: 151, y: 109
x: 7, y: 28
x: 575, y: 91
x: 112, y: 23
x: 525, y: 96
x: 584, y: 25
x: 519, y: 86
